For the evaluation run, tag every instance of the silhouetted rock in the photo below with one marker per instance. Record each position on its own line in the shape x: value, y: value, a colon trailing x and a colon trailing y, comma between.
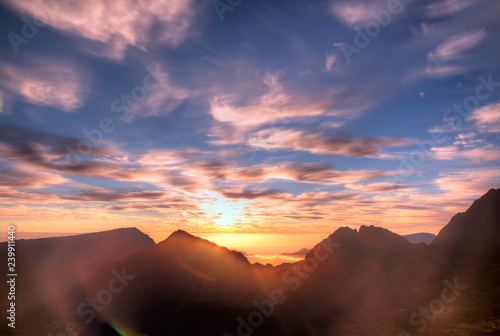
x: 473, y: 235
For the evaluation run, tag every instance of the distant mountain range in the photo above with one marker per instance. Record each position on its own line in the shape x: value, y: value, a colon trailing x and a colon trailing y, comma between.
x: 416, y: 238
x: 301, y: 252
x: 369, y: 281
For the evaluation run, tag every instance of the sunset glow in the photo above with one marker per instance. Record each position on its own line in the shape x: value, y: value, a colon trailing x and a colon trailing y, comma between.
x: 165, y: 117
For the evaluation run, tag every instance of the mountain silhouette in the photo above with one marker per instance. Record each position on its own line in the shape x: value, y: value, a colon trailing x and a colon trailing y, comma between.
x: 422, y: 237
x: 301, y: 252
x: 369, y: 281
x: 474, y: 234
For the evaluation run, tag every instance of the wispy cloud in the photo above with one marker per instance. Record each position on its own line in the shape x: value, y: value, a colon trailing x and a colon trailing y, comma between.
x: 317, y: 143
x: 320, y: 173
x: 20, y: 176
x: 378, y: 187
x: 236, y: 115
x: 113, y: 26
x: 355, y: 13
x: 51, y: 83
x: 329, y: 62
x: 448, y: 57
x: 477, y: 155
x: 487, y: 118
x: 442, y: 8
x: 455, y: 46
x: 268, y: 107
x: 468, y: 182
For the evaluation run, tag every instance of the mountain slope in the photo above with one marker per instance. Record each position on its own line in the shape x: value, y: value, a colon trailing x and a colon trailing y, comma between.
x: 473, y: 235
x: 53, y: 273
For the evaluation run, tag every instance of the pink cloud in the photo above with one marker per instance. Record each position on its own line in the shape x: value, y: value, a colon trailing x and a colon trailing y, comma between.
x: 114, y: 25
x: 168, y: 157
x: 355, y: 13
x: 276, y: 105
x: 448, y: 57
x: 487, y: 118
x: 454, y: 46
x: 477, y: 155
x: 329, y: 62
x: 267, y: 108
x: 446, y: 7
x: 59, y: 85
x: 468, y: 182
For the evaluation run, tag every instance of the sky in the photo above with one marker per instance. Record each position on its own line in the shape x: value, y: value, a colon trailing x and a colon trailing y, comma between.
x: 249, y: 117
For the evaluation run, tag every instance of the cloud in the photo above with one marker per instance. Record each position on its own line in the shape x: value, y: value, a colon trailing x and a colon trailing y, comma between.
x: 442, y: 8
x: 449, y: 56
x: 267, y: 108
x: 114, y: 25
x: 276, y: 105
x: 50, y: 152
x: 332, y: 124
x: 455, y: 46
x: 487, y: 118
x: 43, y: 150
x: 468, y: 182
x: 330, y: 60
x: 423, y: 28
x: 104, y: 195
x: 279, y: 98
x: 13, y: 197
x: 162, y: 207
x: 168, y: 157
x: 318, y: 143
x: 303, y: 172
x: 468, y: 140
x: 477, y: 155
x: 249, y: 194
x: 18, y: 176
x: 57, y: 85
x: 379, y: 187
x: 160, y: 100
x: 354, y: 13
x: 321, y: 173
x: 5, y: 103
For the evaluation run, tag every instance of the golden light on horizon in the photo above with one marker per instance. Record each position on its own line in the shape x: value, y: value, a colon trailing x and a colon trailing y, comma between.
x: 224, y: 213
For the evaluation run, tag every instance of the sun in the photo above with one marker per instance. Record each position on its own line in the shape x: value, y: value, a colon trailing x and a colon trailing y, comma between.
x: 223, y: 212
x: 225, y: 218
